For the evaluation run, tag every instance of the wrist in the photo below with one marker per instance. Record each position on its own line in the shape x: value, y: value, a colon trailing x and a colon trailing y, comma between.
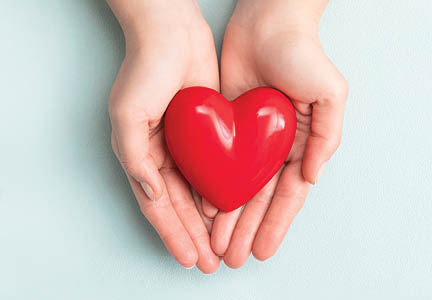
x: 282, y: 15
x: 137, y: 17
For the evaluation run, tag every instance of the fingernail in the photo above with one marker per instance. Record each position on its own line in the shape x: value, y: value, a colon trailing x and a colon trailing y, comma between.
x: 319, y: 173
x: 189, y: 267
x: 147, y: 190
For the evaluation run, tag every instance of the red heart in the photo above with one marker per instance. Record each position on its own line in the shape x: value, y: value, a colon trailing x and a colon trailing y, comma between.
x: 229, y: 150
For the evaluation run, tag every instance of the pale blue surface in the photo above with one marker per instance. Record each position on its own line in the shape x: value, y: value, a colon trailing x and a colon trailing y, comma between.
x: 70, y: 227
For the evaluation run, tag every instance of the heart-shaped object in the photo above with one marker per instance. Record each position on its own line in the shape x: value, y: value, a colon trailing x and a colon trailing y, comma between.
x: 227, y: 150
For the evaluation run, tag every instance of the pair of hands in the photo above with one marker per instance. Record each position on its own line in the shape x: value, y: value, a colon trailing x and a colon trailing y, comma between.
x: 169, y: 46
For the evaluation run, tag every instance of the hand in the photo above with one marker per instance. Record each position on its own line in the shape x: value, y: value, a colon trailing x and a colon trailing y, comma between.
x: 275, y: 43
x: 169, y: 46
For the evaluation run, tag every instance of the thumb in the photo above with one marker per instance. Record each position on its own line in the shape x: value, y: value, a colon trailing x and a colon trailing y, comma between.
x: 137, y: 100
x: 326, y: 132
x: 130, y: 139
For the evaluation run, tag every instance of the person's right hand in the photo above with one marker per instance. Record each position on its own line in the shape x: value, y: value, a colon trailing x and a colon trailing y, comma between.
x: 169, y: 46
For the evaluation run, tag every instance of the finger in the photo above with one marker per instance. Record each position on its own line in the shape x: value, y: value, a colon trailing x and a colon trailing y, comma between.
x: 208, y: 209
x: 287, y: 201
x: 164, y: 219
x: 223, y: 226
x: 184, y: 205
x: 198, y: 203
x: 326, y: 132
x: 247, y: 226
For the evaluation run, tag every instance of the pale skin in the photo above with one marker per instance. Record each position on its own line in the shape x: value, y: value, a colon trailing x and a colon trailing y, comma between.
x: 267, y: 43
x: 168, y: 47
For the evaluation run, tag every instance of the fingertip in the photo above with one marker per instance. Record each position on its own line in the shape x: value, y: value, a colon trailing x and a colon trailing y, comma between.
x: 262, y: 252
x: 312, y: 171
x: 266, y: 243
x: 209, y: 210
x: 220, y: 237
x: 223, y: 228
x: 309, y: 178
x: 319, y: 173
x: 148, y: 190
x: 188, y: 268
x: 182, y: 249
x: 310, y: 167
x: 234, y: 261
x: 208, y: 261
x: 146, y: 173
x: 211, y: 265
x: 188, y: 258
x: 238, y: 251
x: 153, y: 178
x: 218, y: 245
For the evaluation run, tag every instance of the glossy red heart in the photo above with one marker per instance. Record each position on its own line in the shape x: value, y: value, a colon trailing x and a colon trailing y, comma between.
x: 229, y: 150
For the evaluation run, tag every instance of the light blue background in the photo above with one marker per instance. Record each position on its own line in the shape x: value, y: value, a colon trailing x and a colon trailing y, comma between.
x: 71, y: 229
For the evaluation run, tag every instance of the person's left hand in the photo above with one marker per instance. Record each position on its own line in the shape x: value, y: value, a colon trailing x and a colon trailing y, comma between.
x: 263, y: 51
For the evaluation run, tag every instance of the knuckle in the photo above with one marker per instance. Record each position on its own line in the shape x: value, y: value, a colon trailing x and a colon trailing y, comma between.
x: 340, y: 90
x: 337, y: 91
x: 118, y: 111
x: 148, y: 207
x: 123, y: 110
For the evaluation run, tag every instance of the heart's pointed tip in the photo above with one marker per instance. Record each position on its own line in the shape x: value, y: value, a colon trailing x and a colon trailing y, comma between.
x: 227, y: 208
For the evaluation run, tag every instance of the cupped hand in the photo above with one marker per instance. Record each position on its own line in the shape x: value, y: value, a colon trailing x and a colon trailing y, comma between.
x: 170, y: 48
x: 260, y: 50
